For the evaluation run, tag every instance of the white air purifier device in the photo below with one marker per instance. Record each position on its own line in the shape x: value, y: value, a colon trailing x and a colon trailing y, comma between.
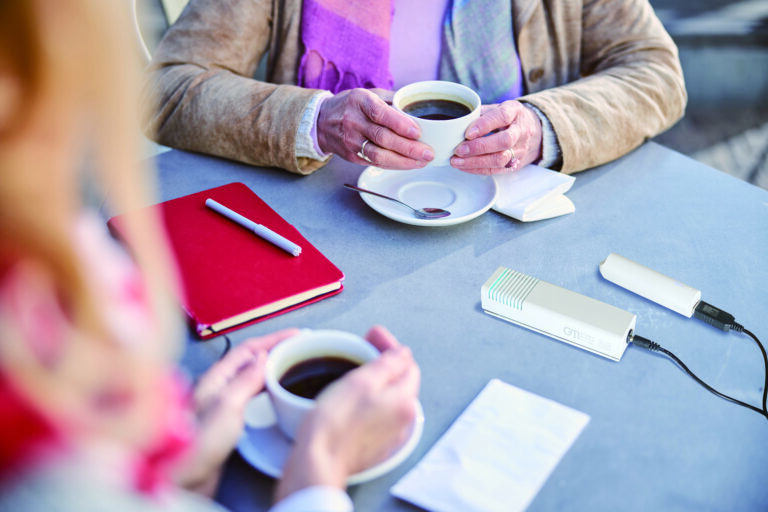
x: 559, y: 313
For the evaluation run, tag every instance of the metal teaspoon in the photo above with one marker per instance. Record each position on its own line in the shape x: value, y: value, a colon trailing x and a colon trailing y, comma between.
x: 422, y: 213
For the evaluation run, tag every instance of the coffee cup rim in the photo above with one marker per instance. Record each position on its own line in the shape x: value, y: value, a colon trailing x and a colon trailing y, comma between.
x: 405, y: 92
x: 318, y: 343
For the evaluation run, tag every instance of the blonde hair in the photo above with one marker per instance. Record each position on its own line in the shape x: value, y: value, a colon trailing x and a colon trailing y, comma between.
x: 65, y: 58
x: 69, y: 101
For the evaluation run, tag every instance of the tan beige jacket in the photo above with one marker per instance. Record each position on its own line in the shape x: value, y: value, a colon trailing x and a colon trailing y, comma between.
x: 605, y: 73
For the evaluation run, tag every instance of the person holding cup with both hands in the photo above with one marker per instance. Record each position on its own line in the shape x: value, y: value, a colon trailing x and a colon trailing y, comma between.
x: 95, y: 413
x: 356, y: 421
x: 566, y: 85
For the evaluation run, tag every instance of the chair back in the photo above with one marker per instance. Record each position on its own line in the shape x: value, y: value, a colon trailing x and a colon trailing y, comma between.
x: 172, y: 9
x: 151, y: 18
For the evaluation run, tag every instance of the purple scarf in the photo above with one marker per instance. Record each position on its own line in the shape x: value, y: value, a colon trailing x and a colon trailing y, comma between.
x: 347, y: 44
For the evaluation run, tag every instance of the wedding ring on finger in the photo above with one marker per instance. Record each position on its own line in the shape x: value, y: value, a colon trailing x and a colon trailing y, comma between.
x: 361, y: 153
x: 512, y: 161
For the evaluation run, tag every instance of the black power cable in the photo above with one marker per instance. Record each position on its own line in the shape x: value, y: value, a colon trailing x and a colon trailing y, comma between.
x: 655, y: 347
x: 725, y: 321
x: 765, y: 362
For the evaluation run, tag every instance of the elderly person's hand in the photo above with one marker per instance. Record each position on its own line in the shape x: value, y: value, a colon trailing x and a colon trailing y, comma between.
x: 357, y: 421
x: 360, y: 126
x: 506, y: 137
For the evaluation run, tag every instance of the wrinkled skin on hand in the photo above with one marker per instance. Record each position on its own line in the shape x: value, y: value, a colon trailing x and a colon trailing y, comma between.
x: 506, y: 137
x: 351, y: 117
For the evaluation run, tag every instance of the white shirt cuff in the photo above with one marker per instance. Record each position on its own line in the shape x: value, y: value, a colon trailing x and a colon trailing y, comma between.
x: 319, y: 498
x: 550, y: 148
x: 306, y: 138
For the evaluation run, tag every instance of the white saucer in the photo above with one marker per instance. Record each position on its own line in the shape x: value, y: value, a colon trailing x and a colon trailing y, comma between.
x: 265, y: 447
x: 465, y: 195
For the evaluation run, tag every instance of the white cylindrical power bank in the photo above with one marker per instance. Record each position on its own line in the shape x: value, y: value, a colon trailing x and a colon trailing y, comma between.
x: 650, y: 284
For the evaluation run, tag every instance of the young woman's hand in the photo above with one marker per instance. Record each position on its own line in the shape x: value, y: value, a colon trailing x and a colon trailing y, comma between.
x: 358, y: 420
x: 220, y: 398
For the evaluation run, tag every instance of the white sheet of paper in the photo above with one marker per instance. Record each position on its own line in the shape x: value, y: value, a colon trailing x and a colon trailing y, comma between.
x: 534, y: 193
x: 496, y: 455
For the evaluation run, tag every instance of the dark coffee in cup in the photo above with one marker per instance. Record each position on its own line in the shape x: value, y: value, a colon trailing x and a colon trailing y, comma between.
x: 437, y: 109
x: 309, y: 377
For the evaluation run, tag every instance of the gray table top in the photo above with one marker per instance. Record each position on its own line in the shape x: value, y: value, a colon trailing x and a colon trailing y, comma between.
x: 656, y: 440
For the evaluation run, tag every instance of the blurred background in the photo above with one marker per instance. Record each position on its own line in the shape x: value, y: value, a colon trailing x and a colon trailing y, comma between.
x: 724, y: 53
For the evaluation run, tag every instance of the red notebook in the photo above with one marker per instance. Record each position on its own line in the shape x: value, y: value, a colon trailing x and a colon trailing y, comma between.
x: 232, y: 277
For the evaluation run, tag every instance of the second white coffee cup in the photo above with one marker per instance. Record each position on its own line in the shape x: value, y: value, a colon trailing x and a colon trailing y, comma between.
x: 290, y: 409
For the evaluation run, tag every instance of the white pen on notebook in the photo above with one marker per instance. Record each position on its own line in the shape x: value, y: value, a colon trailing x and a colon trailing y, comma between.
x: 263, y: 231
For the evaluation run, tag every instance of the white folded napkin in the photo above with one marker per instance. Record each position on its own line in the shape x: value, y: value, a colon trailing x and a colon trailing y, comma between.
x: 533, y: 193
x: 496, y: 455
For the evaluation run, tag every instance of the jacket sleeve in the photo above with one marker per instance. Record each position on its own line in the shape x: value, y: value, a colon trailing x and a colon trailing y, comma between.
x: 626, y: 86
x: 200, y: 94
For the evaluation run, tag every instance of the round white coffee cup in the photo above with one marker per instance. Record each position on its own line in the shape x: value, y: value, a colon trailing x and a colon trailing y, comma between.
x: 290, y: 409
x: 443, y: 136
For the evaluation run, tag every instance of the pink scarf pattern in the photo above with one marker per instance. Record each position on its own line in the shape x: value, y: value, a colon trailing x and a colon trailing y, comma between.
x: 347, y: 44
